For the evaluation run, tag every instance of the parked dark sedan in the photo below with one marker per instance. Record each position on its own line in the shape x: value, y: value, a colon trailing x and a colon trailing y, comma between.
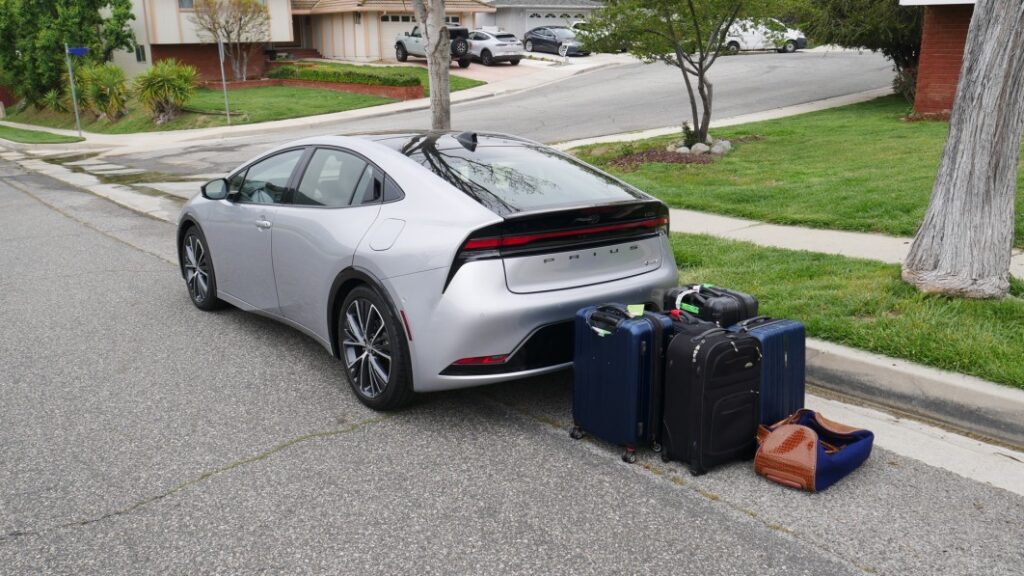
x: 551, y: 38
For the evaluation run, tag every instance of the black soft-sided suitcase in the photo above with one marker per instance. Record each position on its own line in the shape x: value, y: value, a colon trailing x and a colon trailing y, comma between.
x: 709, y: 302
x: 783, y: 370
x: 711, y: 399
x: 617, y: 375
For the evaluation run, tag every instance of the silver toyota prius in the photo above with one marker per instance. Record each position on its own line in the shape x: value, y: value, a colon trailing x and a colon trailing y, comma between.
x: 425, y: 260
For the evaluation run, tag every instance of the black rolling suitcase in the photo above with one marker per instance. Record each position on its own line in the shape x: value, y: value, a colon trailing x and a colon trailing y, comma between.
x: 711, y: 399
x: 617, y: 375
x: 709, y: 302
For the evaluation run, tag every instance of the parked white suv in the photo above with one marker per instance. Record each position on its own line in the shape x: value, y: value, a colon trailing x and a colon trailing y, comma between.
x: 491, y: 45
x: 414, y: 44
x: 768, y: 34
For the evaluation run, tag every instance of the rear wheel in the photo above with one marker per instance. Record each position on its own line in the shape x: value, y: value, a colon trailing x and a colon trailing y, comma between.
x: 486, y: 58
x: 514, y: 61
x: 733, y: 48
x: 401, y: 54
x: 463, y: 62
x: 197, y: 265
x: 374, y: 350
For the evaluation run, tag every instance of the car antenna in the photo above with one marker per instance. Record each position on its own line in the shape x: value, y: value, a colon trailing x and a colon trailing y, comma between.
x: 468, y: 140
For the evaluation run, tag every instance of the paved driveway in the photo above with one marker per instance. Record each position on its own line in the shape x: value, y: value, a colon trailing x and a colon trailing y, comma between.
x: 139, y: 435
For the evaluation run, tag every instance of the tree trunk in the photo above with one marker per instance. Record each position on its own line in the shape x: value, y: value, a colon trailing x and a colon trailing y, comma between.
x: 439, y: 58
x: 963, y: 248
x: 704, y: 88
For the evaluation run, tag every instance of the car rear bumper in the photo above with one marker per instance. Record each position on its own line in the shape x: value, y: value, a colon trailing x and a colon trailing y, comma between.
x: 801, y: 43
x: 478, y: 316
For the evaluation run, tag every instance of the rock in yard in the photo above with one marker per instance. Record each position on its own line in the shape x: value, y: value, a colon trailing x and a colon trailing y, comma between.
x: 683, y: 150
x: 721, y: 147
x: 670, y: 148
x: 699, y: 148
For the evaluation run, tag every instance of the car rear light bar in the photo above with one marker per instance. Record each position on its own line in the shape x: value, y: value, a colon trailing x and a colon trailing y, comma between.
x: 494, y: 243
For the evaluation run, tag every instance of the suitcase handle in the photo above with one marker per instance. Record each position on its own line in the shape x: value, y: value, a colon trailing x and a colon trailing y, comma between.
x: 745, y: 325
x: 608, y: 315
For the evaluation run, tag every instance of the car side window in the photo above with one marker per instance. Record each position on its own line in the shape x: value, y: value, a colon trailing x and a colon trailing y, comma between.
x: 334, y: 179
x: 415, y: 32
x: 368, y: 190
x: 266, y: 182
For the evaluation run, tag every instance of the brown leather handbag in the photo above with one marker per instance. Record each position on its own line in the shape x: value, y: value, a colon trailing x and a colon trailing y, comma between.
x: 810, y: 452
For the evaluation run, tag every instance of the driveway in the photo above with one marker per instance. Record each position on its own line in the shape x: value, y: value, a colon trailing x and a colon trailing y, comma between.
x: 139, y: 435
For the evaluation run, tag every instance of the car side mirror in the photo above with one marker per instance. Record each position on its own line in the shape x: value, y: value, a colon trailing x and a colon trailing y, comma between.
x: 215, y: 189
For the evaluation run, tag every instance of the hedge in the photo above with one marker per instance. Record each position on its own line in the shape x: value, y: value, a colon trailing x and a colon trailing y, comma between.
x: 341, y: 76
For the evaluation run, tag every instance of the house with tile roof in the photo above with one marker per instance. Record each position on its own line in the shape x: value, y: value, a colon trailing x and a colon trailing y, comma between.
x: 519, y: 16
x: 358, y: 30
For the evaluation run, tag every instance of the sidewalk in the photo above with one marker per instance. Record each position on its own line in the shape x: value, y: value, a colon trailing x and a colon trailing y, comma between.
x: 542, y: 73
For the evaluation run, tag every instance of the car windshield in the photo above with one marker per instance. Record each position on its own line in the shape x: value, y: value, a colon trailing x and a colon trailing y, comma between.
x: 563, y: 33
x: 520, y: 178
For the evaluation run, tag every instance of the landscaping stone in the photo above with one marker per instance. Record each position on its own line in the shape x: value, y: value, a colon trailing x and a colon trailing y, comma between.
x: 683, y: 150
x: 699, y: 148
x: 721, y: 147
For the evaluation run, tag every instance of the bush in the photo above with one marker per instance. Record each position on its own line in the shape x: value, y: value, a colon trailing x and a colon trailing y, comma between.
x: 105, y: 94
x: 79, y: 89
x: 166, y: 88
x: 340, y: 75
x: 53, y: 101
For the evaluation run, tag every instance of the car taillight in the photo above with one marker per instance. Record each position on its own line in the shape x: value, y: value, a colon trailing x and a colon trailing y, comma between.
x: 494, y: 243
x: 482, y: 360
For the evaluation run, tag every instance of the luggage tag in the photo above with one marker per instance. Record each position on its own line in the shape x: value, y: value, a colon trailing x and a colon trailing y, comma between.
x: 688, y: 307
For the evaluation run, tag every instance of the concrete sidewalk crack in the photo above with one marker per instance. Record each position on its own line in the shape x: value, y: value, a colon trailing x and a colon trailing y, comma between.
x: 14, y: 534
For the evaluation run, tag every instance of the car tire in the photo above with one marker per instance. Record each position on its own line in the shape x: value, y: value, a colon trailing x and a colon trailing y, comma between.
x: 197, y: 267
x: 401, y: 54
x: 464, y: 62
x: 529, y: 46
x: 486, y: 58
x: 374, y: 350
x: 732, y: 48
x: 789, y: 47
x: 460, y: 47
x: 514, y: 61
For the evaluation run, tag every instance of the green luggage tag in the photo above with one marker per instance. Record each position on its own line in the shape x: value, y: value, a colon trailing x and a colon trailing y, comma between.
x: 689, y: 308
x: 635, y: 310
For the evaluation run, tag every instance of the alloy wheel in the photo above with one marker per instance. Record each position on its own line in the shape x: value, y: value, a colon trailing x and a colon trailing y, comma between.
x: 367, y: 348
x: 197, y: 269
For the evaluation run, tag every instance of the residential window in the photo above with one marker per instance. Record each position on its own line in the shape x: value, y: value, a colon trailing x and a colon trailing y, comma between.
x: 564, y: 16
x: 534, y: 15
x: 550, y: 16
x: 580, y: 16
x: 186, y: 4
x: 452, y: 19
x: 140, y: 53
x: 407, y: 19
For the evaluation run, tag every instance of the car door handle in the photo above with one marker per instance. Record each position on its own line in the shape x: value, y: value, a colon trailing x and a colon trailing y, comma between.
x: 263, y: 224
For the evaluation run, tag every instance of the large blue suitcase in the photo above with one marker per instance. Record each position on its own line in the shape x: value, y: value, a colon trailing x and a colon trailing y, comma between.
x: 783, y: 343
x: 617, y: 380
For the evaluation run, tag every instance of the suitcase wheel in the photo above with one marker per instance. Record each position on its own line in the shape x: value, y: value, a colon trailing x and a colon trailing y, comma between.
x: 629, y: 456
x: 576, y: 433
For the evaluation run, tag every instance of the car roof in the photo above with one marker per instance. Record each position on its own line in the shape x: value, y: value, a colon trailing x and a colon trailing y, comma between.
x: 402, y: 140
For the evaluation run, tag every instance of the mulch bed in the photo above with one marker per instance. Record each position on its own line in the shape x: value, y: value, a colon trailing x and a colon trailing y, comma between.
x: 633, y: 161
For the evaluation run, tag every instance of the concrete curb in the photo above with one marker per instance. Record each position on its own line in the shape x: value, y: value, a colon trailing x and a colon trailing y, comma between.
x: 959, y: 401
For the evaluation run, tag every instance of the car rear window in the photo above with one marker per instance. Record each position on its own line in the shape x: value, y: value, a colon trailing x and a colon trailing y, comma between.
x: 505, y: 37
x: 513, y: 179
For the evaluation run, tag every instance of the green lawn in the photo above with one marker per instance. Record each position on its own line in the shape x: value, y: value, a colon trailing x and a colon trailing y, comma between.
x: 456, y: 82
x: 247, y: 106
x: 34, y: 136
x: 866, y: 305
x: 859, y: 167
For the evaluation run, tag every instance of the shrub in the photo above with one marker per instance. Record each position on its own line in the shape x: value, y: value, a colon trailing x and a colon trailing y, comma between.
x: 81, y: 73
x: 342, y: 75
x: 53, y: 101
x: 165, y: 88
x: 105, y: 94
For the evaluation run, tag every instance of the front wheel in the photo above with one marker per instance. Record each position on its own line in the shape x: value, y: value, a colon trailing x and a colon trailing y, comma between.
x: 374, y: 350
x: 789, y: 47
x: 197, y: 266
x: 733, y: 48
x: 529, y: 46
x: 401, y: 54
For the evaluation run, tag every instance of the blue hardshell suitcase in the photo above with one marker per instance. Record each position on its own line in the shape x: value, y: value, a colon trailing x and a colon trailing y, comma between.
x: 617, y: 376
x: 783, y: 369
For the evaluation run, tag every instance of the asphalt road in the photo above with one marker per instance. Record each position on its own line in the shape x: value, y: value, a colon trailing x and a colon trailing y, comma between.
x: 605, y: 101
x: 139, y: 435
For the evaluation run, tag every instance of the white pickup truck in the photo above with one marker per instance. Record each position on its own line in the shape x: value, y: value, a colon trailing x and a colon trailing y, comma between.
x: 414, y: 44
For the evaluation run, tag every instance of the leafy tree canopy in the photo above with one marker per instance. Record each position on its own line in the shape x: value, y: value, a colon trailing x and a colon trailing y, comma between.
x: 33, y: 34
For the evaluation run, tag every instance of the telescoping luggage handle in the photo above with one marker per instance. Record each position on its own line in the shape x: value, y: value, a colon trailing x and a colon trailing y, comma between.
x: 607, y: 315
x: 747, y: 324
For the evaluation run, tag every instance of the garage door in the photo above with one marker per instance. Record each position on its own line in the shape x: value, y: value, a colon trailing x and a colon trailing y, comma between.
x: 551, y: 18
x: 391, y: 25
